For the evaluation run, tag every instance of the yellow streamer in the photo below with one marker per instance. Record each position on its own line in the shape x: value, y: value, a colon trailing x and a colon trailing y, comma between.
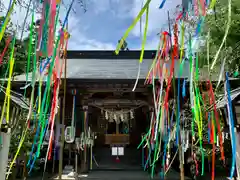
x: 226, y: 32
x: 24, y: 133
x: 142, y: 51
x: 19, y: 147
x: 8, y: 94
x: 144, y: 36
x: 9, y: 88
x: 213, y: 4
x: 120, y: 44
x: 182, y: 42
x: 160, y: 44
x: 6, y: 20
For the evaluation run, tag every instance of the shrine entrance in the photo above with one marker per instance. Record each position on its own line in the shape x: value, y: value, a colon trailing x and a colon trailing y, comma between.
x: 119, y: 123
x: 110, y: 117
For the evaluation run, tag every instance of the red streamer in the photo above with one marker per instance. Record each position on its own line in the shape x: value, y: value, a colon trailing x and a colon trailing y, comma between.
x: 5, y: 49
x: 217, y: 120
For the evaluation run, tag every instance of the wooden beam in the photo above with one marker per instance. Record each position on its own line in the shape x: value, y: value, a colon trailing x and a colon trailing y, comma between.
x: 105, y: 90
x: 96, y: 54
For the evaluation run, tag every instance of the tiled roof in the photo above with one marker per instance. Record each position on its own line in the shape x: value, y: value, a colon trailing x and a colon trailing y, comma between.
x: 108, y: 69
x: 16, y: 98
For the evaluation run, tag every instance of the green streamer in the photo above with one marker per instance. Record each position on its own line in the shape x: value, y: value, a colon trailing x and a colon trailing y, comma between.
x: 46, y: 97
x: 29, y: 51
x: 191, y: 82
x: 198, y: 113
x: 35, y: 61
x: 45, y: 30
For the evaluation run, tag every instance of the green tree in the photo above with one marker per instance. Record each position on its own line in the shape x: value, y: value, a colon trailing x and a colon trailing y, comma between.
x: 21, y: 51
x: 215, y: 24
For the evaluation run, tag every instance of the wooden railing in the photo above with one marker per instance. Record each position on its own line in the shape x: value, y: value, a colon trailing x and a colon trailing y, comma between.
x: 117, y: 139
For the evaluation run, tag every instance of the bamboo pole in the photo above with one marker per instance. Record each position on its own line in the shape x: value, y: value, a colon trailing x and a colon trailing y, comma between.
x: 63, y: 119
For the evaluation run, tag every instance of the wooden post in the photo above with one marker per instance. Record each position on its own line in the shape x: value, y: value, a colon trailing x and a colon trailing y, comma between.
x: 63, y: 121
x: 84, y: 162
x: 4, y: 150
x: 91, y: 156
x: 56, y: 134
x: 85, y: 132
x: 181, y: 156
x: 76, y: 163
x: 69, y: 154
x: 117, y: 128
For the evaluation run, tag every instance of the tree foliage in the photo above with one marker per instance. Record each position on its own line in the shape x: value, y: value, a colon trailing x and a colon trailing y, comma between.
x: 215, y: 24
x: 20, y: 53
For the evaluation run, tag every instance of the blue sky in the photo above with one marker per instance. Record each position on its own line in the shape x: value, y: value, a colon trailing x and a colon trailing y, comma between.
x: 105, y: 21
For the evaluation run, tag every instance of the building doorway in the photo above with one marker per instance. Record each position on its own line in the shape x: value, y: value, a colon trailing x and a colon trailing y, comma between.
x: 116, y: 147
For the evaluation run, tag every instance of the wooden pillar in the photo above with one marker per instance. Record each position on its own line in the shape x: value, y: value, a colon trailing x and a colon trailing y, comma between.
x: 63, y: 121
x: 84, y: 161
x: 117, y: 128
x: 4, y: 150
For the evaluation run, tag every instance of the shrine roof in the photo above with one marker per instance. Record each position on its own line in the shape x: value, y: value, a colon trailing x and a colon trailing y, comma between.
x: 106, y: 65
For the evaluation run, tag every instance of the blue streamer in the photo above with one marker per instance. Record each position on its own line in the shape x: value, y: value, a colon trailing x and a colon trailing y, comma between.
x: 43, y: 67
x: 33, y: 145
x: 207, y: 2
x: 231, y: 123
x: 149, y: 155
x: 178, y: 103
x: 35, y: 155
x: 10, y: 4
x: 184, y: 89
x: 162, y: 4
x: 66, y: 18
x: 209, y: 122
x: 38, y: 128
x: 32, y: 165
x: 199, y: 25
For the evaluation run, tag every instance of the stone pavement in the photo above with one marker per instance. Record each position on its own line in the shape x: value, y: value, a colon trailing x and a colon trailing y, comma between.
x: 127, y: 175
x: 123, y: 175
x: 114, y: 175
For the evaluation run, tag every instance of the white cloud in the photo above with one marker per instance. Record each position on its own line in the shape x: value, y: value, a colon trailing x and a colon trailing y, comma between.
x: 151, y: 44
x: 124, y: 11
x: 78, y: 41
x: 18, y: 16
x: 157, y: 17
x: 89, y: 44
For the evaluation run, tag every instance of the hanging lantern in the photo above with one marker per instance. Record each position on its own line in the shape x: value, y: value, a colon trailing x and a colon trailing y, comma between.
x: 106, y: 115
x: 68, y: 134
x: 111, y: 117
x: 121, y: 116
x: 131, y: 114
x: 125, y: 117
